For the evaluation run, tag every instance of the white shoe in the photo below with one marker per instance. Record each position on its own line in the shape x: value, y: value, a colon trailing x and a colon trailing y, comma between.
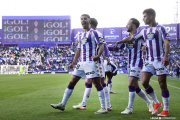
x: 58, y: 106
x: 80, y: 107
x: 112, y: 92
x: 127, y: 111
x: 101, y: 111
x: 150, y: 106
x: 109, y: 108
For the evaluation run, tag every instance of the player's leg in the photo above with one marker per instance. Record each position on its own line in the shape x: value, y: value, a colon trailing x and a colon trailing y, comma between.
x: 87, y: 92
x: 165, y: 95
x: 132, y: 93
x: 106, y: 92
x: 109, y: 82
x: 99, y: 87
x: 162, y: 72
x: 142, y: 94
x: 67, y: 93
x: 77, y: 74
x: 150, y: 91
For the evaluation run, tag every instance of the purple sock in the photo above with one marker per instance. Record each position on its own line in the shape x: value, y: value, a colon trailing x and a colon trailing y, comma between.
x: 132, y: 89
x: 138, y: 90
x: 104, y: 85
x: 165, y: 93
x: 109, y: 81
x: 149, y: 90
x: 70, y: 87
x: 88, y: 85
x: 100, y: 88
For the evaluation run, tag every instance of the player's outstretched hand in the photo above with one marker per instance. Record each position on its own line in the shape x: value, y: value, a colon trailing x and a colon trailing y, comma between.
x: 95, y: 58
x: 71, y: 66
x: 115, y: 46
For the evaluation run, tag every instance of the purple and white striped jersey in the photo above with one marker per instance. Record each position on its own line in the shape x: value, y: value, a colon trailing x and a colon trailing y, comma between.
x: 134, y: 51
x: 154, y: 38
x: 88, y: 43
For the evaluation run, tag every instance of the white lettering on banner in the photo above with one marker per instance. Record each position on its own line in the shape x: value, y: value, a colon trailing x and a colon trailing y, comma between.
x: 54, y: 32
x: 15, y: 29
x: 171, y: 29
x: 125, y: 32
x: 16, y: 36
x: 46, y: 39
x: 15, y: 22
x: 53, y: 25
x: 111, y: 36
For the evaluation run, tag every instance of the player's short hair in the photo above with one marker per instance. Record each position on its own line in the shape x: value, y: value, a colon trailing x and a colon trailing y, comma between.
x: 86, y: 15
x: 135, y: 21
x: 94, y: 22
x: 150, y: 11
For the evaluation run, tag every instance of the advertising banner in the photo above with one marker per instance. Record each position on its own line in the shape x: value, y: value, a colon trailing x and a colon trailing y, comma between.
x: 112, y: 34
x: 172, y: 30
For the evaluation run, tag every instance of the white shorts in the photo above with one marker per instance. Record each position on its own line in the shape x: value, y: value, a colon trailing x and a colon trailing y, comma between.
x: 134, y: 72
x: 87, y: 70
x: 107, y: 68
x: 155, y: 66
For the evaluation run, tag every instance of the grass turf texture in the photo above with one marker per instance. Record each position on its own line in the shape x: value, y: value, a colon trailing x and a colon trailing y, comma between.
x: 29, y: 98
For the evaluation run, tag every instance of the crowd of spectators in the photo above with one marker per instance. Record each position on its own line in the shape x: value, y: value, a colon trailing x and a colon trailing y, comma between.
x: 59, y: 57
x: 39, y: 58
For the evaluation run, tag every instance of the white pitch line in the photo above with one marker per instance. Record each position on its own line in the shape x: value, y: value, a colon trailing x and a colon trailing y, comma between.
x: 167, y: 85
x: 173, y: 79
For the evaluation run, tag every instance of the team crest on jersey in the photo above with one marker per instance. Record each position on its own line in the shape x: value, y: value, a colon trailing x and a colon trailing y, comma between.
x: 90, y: 32
x: 167, y: 35
x: 157, y: 28
x: 91, y: 75
x: 161, y: 71
x: 131, y: 73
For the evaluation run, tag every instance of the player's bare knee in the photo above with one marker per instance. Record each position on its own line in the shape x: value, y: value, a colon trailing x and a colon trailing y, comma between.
x: 163, y: 86
x: 145, y: 84
x: 89, y: 81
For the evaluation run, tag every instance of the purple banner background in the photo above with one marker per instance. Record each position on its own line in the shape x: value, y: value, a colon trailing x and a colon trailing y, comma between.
x: 124, y: 32
x: 172, y: 30
x: 179, y: 30
x: 1, y: 35
x: 112, y: 34
x: 75, y: 33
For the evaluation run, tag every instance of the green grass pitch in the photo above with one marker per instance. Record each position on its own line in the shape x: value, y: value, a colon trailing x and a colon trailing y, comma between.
x: 29, y: 98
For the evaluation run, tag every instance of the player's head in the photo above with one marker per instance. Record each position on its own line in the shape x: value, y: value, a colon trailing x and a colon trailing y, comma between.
x: 133, y: 23
x: 85, y: 21
x: 93, y: 23
x: 149, y: 16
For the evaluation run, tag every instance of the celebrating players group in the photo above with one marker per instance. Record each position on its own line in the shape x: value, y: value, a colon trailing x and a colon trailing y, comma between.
x: 90, y: 64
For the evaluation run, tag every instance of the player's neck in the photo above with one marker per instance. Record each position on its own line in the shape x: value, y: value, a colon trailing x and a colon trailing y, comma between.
x: 133, y: 32
x: 153, y: 24
x: 85, y: 30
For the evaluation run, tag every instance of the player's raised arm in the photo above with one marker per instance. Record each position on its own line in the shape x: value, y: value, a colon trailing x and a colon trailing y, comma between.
x: 125, y: 40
